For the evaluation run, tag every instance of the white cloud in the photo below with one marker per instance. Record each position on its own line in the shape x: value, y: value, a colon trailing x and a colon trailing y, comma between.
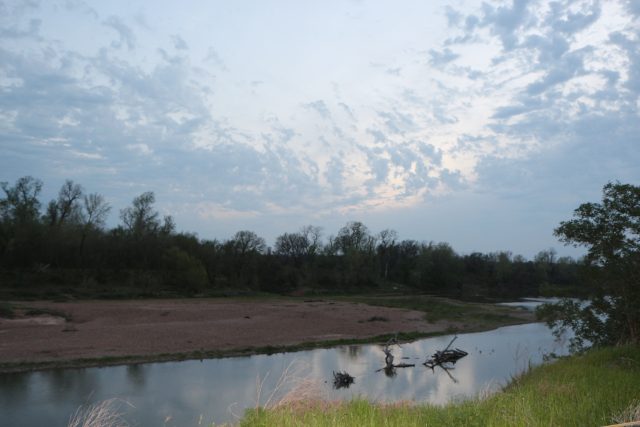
x: 265, y: 122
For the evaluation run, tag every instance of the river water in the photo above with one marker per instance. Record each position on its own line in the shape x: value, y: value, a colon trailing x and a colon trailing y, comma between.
x: 193, y: 393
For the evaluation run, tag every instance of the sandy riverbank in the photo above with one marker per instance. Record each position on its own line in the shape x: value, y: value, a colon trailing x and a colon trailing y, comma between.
x: 147, y: 328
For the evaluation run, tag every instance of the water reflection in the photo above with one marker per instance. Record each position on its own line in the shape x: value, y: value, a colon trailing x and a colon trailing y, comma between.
x: 351, y: 351
x: 136, y: 375
x: 218, y: 390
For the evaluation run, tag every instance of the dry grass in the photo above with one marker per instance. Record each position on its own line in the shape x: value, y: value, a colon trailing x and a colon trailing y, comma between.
x: 102, y: 414
x: 293, y: 386
x: 630, y: 414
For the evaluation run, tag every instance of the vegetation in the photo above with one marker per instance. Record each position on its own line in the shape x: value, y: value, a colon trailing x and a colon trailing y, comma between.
x: 7, y: 310
x: 593, y: 389
x: 611, y: 233
x: 65, y: 251
x: 471, y: 316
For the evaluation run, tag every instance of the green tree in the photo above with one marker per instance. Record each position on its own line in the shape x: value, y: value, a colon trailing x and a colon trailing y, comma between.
x: 184, y: 271
x: 610, y: 231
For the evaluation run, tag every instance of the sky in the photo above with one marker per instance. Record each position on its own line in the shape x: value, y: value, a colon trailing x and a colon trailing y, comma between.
x: 478, y: 123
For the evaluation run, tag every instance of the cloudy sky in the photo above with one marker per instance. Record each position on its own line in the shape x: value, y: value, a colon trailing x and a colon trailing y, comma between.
x: 482, y: 124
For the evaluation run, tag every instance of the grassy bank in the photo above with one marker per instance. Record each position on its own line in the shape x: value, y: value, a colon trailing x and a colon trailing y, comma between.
x: 598, y: 388
x: 468, y: 316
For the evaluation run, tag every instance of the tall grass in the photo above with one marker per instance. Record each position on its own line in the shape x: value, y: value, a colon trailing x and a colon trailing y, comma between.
x: 597, y: 388
x: 102, y: 414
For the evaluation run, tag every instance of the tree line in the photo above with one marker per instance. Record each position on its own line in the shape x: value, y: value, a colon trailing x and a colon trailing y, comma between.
x: 66, y: 247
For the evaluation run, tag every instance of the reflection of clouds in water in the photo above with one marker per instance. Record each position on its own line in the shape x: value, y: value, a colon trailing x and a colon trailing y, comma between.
x: 446, y: 390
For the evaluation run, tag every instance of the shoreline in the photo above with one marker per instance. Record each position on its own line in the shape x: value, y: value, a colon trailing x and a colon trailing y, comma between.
x: 106, y: 361
x: 98, y: 333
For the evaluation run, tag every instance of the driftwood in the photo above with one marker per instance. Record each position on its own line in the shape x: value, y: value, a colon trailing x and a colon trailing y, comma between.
x: 342, y: 380
x: 390, y: 368
x: 446, y: 356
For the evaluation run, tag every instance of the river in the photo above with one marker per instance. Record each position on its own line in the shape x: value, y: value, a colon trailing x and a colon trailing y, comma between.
x: 192, y: 393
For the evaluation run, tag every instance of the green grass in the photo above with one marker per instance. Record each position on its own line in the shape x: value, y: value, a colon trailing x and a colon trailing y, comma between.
x: 7, y: 310
x: 593, y: 389
x: 471, y: 316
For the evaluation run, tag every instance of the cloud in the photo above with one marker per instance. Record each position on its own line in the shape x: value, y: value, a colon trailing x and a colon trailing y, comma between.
x: 396, y: 121
x: 319, y: 107
x: 562, y: 20
x: 453, y: 16
x: 394, y: 71
x: 569, y: 66
x: 214, y: 58
x: 124, y: 32
x: 632, y: 6
x: 16, y: 33
x: 514, y: 86
x: 179, y: 43
x: 504, y: 21
x: 442, y: 57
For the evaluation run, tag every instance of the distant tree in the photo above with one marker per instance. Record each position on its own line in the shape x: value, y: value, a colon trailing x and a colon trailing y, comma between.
x: 20, y: 226
x: 386, y: 241
x: 355, y: 237
x: 297, y: 246
x: 440, y: 268
x: 357, y: 247
x: 68, y: 202
x: 292, y: 245
x: 141, y: 218
x: 610, y: 231
x: 245, y: 242
x: 20, y: 204
x: 95, y: 211
x: 93, y: 217
x: 184, y: 271
x: 313, y: 235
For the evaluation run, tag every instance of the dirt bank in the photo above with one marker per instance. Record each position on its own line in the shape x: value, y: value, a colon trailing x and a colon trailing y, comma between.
x: 99, y: 329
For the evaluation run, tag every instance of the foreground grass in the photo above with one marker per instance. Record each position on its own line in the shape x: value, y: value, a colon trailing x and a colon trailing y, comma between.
x: 598, y: 388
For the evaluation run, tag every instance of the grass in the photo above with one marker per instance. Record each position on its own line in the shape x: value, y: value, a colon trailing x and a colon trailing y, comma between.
x: 597, y: 388
x: 103, y: 414
x: 471, y: 316
x: 7, y: 310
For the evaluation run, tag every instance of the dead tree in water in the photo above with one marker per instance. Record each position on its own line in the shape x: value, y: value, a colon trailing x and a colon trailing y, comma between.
x: 439, y: 358
x: 342, y: 380
x: 389, y: 368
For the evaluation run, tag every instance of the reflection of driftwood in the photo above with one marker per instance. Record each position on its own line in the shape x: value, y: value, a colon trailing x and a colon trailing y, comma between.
x: 389, y: 368
x: 449, y: 374
x: 342, y: 380
x: 440, y: 358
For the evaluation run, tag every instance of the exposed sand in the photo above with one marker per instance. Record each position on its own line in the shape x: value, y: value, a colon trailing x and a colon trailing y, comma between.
x: 153, y: 327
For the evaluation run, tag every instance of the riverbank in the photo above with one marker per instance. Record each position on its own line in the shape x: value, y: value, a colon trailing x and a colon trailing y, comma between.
x: 41, y: 335
x: 600, y: 387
